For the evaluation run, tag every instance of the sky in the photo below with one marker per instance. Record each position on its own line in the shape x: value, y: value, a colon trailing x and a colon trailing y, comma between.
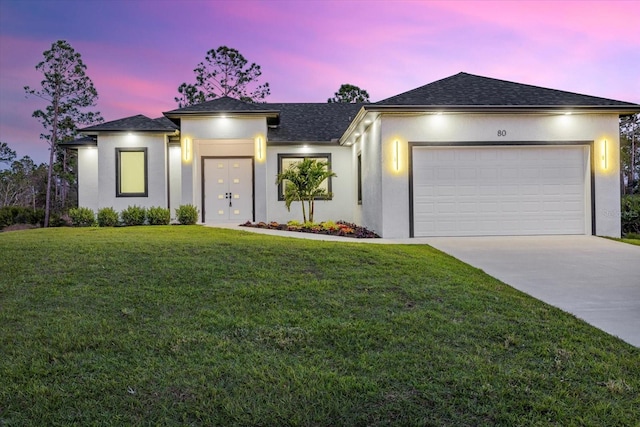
x: 138, y: 52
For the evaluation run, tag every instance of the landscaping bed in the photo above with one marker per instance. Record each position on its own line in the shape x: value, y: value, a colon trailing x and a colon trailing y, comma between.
x: 339, y: 228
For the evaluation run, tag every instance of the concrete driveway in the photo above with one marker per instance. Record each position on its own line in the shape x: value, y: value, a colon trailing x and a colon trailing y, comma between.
x: 596, y: 279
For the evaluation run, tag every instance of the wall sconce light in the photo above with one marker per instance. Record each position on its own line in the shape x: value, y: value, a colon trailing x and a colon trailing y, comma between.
x: 186, y: 155
x: 604, y: 154
x: 396, y: 155
x: 259, y: 148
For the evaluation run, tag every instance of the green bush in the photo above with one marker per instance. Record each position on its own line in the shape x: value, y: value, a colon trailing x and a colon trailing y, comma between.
x: 82, y: 217
x: 157, y: 215
x: 107, y: 217
x: 329, y: 225
x: 10, y: 215
x: 630, y: 214
x: 187, y: 214
x: 133, y: 215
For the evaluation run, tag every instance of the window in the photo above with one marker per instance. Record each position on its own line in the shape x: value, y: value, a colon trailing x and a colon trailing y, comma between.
x: 359, y: 178
x: 286, y: 160
x: 131, y: 172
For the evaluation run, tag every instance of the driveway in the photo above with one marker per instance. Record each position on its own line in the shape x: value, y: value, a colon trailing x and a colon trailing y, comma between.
x: 596, y: 279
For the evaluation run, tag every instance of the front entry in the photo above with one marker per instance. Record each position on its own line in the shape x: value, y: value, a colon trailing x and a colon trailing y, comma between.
x: 227, y: 190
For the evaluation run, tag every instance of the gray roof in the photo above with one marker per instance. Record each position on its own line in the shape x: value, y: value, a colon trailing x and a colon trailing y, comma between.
x: 221, y: 105
x: 137, y: 123
x: 288, y: 122
x: 465, y: 89
x: 302, y: 122
x: 327, y: 122
x: 82, y: 141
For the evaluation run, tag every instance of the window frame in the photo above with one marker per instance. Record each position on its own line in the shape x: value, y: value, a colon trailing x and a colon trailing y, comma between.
x: 325, y: 157
x: 119, y: 151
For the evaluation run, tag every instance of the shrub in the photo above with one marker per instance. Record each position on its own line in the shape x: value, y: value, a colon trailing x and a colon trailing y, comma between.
x: 187, y: 214
x: 630, y: 214
x: 133, y: 215
x: 11, y: 215
x: 82, y: 217
x: 107, y: 217
x: 329, y: 226
x: 157, y: 215
x: 294, y: 223
x: 6, y: 217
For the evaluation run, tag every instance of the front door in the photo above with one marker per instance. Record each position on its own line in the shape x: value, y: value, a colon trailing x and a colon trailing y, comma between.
x: 228, y: 190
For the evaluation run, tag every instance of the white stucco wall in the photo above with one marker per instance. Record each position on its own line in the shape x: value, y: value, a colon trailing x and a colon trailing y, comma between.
x: 175, y: 179
x: 222, y: 137
x: 156, y: 169
x: 460, y: 128
x: 88, y: 194
x: 343, y: 186
x: 370, y: 213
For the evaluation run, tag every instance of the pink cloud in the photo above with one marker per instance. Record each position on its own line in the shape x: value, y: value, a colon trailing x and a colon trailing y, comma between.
x: 137, y: 56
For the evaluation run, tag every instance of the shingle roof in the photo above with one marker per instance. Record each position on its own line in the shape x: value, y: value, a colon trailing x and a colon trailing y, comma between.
x: 464, y: 89
x: 137, y: 123
x: 82, y: 141
x: 289, y: 122
x: 223, y: 104
x: 303, y: 122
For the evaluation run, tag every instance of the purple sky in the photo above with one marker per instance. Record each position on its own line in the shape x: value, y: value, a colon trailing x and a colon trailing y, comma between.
x: 138, y: 52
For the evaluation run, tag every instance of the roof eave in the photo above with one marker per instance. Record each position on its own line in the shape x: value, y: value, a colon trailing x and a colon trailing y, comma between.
x: 218, y: 113
x: 353, y: 125
x: 130, y: 130
x: 620, y: 109
x: 72, y: 144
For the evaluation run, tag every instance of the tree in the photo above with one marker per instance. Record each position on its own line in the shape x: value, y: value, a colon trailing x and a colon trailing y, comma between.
x: 7, y: 155
x: 69, y: 92
x: 630, y: 153
x: 224, y: 72
x: 349, y: 93
x: 23, y: 184
x: 302, y: 181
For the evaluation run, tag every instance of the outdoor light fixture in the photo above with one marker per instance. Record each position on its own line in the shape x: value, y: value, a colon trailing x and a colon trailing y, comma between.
x: 604, y: 154
x: 396, y: 155
x: 259, y: 148
x: 187, y: 150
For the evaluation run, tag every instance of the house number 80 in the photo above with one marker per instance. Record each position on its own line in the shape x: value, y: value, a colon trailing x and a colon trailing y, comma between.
x: 502, y: 132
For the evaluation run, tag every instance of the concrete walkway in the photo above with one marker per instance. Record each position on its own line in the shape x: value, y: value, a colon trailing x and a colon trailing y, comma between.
x: 596, y: 279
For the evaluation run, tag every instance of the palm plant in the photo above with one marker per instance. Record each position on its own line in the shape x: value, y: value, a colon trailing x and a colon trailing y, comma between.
x: 302, y: 181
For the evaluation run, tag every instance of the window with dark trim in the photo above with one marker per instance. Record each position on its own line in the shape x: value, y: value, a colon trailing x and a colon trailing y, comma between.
x: 359, y: 178
x: 286, y: 160
x: 131, y: 172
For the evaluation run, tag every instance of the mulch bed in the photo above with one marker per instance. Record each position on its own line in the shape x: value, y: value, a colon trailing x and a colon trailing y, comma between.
x: 341, y: 228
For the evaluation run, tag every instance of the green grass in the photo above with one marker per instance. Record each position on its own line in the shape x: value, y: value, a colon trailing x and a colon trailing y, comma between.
x: 631, y: 241
x: 186, y: 325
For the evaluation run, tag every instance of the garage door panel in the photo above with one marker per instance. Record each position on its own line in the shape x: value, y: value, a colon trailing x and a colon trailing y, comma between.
x: 499, y: 190
x: 528, y: 173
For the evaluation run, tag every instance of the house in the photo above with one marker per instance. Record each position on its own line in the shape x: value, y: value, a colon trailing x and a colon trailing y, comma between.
x: 462, y: 156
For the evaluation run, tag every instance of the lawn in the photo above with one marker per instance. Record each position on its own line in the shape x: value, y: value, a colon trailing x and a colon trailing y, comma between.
x: 631, y: 241
x: 196, y: 326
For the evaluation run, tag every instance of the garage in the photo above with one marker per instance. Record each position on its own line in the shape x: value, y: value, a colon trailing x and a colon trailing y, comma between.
x: 500, y: 190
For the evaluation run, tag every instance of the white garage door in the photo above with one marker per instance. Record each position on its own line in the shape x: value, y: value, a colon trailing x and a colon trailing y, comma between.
x: 500, y: 190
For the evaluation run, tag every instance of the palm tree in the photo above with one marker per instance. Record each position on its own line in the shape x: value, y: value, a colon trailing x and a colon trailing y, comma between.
x: 302, y: 183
